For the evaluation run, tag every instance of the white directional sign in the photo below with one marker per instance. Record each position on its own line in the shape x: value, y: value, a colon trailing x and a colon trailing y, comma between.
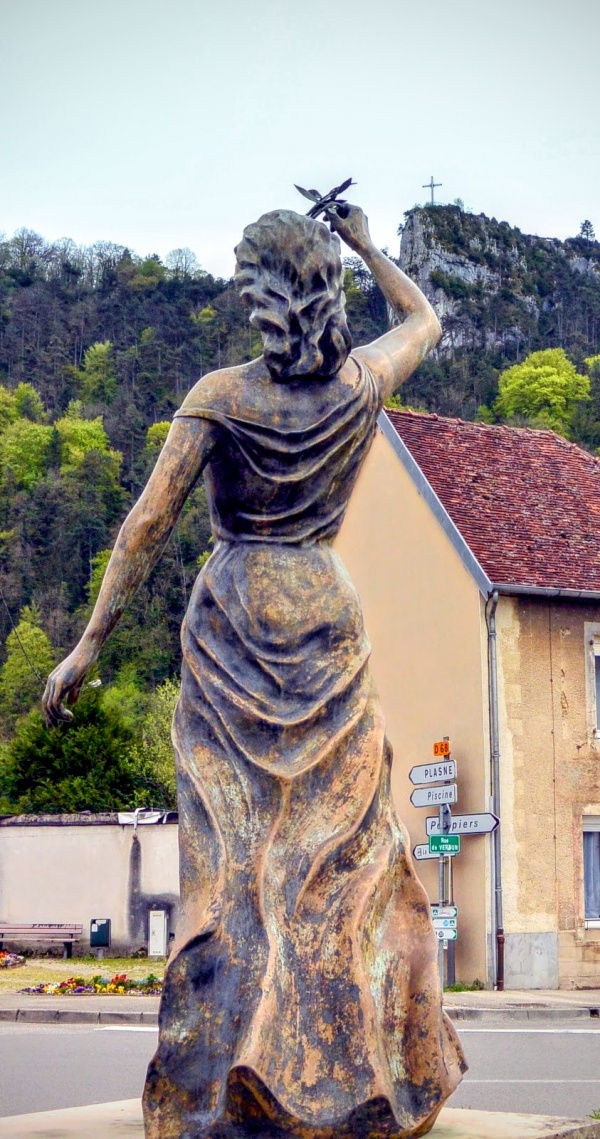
x: 444, y: 911
x: 433, y: 772
x: 445, y: 923
x: 446, y: 934
x: 433, y: 796
x: 483, y: 823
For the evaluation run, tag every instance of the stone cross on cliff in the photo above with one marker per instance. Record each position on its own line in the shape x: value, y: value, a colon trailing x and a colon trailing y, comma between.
x: 432, y: 186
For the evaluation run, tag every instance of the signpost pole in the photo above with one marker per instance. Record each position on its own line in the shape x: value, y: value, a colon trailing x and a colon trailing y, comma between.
x: 451, y: 959
x: 442, y: 899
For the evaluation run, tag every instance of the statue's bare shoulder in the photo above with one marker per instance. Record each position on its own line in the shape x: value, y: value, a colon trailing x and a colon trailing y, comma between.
x: 224, y: 388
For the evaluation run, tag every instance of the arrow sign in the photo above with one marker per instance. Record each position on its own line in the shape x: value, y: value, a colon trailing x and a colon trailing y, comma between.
x: 432, y: 796
x: 422, y: 851
x: 445, y: 923
x: 483, y: 823
x: 433, y: 772
x: 444, y: 911
x: 446, y: 934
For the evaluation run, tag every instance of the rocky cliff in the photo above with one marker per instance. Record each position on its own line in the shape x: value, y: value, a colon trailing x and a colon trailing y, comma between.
x: 493, y: 286
x: 499, y: 294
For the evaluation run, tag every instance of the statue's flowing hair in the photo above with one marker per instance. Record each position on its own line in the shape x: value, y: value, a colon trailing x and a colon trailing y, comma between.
x: 289, y: 272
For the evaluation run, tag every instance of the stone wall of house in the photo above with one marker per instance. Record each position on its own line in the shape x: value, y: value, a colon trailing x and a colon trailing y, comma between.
x: 550, y: 765
x: 77, y: 868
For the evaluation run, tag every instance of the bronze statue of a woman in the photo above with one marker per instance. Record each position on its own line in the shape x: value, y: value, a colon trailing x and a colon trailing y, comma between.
x: 301, y: 996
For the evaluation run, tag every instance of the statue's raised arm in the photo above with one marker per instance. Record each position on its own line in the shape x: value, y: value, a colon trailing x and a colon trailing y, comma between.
x: 393, y: 357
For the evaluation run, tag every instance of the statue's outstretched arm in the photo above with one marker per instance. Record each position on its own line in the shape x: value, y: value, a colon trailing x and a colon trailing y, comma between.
x: 138, y: 547
x: 393, y: 357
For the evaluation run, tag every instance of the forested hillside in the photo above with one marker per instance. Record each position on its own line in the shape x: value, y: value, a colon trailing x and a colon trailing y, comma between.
x: 98, y: 347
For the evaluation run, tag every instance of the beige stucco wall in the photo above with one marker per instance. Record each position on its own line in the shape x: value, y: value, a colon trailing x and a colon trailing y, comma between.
x: 550, y: 779
x: 423, y: 614
x: 75, y: 873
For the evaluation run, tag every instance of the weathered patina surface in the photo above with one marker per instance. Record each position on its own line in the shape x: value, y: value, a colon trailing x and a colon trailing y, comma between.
x: 302, y: 995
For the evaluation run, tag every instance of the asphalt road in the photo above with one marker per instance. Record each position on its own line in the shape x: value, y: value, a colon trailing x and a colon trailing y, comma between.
x: 552, y: 1069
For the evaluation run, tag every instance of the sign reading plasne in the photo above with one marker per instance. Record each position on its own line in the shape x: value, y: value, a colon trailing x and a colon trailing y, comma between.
x: 433, y: 772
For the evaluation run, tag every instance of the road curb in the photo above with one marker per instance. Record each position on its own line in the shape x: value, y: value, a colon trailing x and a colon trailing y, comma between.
x: 527, y: 1012
x: 76, y: 1016
x: 455, y: 1012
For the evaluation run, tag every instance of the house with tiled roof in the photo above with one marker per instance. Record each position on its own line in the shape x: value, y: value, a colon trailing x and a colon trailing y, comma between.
x: 476, y: 553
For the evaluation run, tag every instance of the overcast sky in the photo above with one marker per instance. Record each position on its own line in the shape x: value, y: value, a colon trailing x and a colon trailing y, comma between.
x: 161, y: 124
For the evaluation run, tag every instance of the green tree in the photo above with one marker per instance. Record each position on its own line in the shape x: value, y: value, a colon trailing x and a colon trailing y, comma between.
x: 82, y: 766
x: 97, y: 378
x: 544, y: 390
x: 29, y: 657
x: 127, y: 698
x: 28, y: 403
x: 587, y: 230
x: 592, y: 364
x: 148, y: 275
x: 24, y: 451
x: 156, y: 436
x: 8, y: 407
x: 155, y: 746
x: 79, y: 436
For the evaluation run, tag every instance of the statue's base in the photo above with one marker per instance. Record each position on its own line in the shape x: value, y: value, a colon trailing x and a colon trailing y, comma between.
x: 124, y: 1121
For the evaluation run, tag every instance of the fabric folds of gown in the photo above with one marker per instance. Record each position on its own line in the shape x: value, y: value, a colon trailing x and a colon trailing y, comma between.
x: 302, y: 995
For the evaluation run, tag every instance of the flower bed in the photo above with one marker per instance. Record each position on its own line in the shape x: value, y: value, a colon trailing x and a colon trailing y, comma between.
x: 120, y: 985
x: 10, y: 960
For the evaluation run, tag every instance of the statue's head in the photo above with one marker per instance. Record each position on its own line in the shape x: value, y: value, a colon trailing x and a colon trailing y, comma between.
x: 289, y: 272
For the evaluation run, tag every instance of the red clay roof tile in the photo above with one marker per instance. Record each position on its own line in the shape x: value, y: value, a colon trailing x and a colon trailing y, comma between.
x: 526, y: 502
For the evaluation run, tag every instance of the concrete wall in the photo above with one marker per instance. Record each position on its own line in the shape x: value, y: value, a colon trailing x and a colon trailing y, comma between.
x: 73, y: 873
x: 550, y: 772
x: 423, y: 614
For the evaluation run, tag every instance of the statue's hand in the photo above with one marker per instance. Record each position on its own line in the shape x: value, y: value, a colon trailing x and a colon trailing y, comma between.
x: 351, y: 224
x: 65, y: 684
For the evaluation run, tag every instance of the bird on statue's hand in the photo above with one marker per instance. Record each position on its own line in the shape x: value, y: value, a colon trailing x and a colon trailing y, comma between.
x: 323, y: 202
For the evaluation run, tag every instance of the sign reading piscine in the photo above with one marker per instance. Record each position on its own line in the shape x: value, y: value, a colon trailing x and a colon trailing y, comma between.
x: 432, y: 796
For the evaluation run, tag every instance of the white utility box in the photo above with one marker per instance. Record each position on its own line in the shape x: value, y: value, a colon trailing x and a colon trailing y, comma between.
x: 157, y: 933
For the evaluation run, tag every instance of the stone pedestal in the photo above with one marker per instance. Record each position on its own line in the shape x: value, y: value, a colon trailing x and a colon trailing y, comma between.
x: 124, y: 1121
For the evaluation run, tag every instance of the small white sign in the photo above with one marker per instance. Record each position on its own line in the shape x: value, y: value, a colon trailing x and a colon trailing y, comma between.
x: 444, y: 911
x: 446, y: 934
x: 482, y: 823
x: 433, y: 772
x: 445, y: 923
x: 433, y: 796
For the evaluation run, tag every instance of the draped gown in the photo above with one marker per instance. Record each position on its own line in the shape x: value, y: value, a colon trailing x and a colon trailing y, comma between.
x: 302, y: 995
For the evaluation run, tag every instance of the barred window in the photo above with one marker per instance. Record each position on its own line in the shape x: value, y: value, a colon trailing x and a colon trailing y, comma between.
x: 591, y: 867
